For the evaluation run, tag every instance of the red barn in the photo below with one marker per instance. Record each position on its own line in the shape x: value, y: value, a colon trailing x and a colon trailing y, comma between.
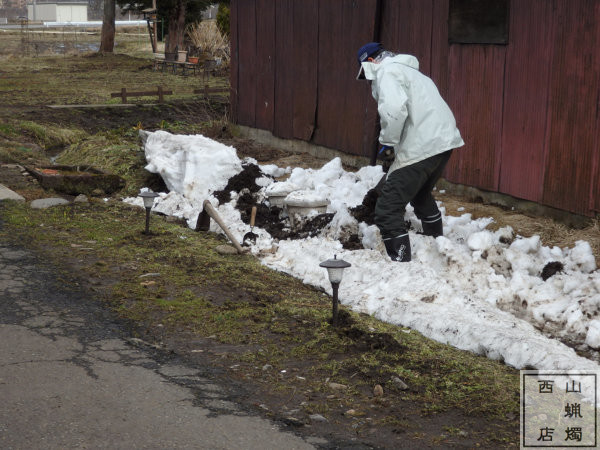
x: 522, y: 77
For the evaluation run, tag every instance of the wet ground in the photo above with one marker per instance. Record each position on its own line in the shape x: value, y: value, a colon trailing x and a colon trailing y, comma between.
x: 70, y: 376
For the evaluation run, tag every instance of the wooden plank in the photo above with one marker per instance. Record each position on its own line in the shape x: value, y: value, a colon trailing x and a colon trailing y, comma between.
x: 528, y: 71
x: 347, y: 113
x: 234, y: 61
x: 141, y: 93
x: 100, y: 105
x: 440, y: 48
x: 574, y: 107
x: 283, y: 122
x: 305, y: 57
x: 406, y: 28
x: 476, y: 80
x: 330, y: 63
x: 247, y: 68
x: 124, y: 94
x: 361, y: 133
x: 265, y: 55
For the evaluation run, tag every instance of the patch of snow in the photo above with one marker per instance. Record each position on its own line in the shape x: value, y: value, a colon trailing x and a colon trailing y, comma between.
x: 473, y: 288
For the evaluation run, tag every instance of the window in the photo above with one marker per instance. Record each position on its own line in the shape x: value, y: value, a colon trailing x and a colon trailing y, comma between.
x: 478, y: 22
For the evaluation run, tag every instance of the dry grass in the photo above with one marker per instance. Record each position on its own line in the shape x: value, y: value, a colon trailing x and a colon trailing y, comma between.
x: 206, y: 36
x: 68, y: 41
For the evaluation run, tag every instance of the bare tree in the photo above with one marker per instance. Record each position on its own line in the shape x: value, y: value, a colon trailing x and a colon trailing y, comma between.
x: 107, y: 38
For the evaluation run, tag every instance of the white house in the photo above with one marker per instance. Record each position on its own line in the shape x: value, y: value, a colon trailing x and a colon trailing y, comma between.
x: 72, y: 11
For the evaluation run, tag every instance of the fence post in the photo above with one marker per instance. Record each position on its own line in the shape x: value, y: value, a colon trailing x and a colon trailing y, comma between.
x: 160, y: 94
x: 124, y: 95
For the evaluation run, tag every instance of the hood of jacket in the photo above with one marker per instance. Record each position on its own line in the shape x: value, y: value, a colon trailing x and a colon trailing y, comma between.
x: 370, y: 68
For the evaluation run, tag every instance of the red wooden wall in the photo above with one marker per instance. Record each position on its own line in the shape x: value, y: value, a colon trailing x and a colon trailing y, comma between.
x: 529, y: 111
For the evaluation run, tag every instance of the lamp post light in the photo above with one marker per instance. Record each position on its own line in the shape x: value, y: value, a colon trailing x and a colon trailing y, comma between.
x: 148, y: 197
x: 335, y: 270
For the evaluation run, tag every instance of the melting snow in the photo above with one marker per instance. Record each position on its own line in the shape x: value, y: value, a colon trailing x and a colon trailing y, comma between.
x: 473, y: 288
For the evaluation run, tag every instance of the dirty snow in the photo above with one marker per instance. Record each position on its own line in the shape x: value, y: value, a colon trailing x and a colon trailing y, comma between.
x: 473, y: 288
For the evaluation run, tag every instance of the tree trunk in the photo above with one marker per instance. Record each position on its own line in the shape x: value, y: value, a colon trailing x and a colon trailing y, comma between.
x: 107, y: 38
x: 175, y: 38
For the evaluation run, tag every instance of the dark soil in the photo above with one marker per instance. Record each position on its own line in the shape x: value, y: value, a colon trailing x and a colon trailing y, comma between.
x: 551, y: 268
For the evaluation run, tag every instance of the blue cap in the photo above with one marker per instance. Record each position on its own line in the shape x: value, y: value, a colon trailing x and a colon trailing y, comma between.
x: 368, y: 50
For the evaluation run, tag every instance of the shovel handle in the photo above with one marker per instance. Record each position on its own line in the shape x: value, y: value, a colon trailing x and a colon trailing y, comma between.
x: 253, y: 216
x: 212, y: 212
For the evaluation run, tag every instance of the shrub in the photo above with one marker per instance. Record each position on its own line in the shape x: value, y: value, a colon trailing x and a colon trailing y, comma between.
x: 206, y: 36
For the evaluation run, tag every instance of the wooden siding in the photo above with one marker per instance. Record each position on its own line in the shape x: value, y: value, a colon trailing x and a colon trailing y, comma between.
x: 476, y: 76
x: 529, y: 111
x: 246, y: 66
x: 528, y: 71
x: 265, y: 65
x: 285, y: 68
x: 344, y: 105
x: 415, y: 17
x: 573, y: 110
x: 305, y: 50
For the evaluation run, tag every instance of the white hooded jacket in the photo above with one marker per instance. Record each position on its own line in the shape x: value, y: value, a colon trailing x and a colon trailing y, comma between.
x: 415, y: 120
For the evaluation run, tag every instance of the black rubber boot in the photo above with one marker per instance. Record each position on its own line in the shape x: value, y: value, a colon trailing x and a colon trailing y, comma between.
x: 433, y: 226
x: 398, y: 248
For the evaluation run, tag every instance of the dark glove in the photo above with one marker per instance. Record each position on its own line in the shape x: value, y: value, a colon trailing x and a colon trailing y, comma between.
x: 387, y: 155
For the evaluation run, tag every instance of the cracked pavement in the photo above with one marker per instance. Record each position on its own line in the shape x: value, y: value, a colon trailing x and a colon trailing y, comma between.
x: 69, y: 378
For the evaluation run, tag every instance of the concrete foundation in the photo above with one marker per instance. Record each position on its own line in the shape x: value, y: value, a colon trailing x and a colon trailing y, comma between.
x: 470, y: 193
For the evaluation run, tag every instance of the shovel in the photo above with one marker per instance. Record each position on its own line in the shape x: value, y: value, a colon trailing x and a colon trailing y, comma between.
x: 212, y: 212
x: 250, y: 237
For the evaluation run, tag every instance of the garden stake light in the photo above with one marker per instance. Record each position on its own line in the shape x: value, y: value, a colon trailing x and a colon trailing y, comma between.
x: 148, y: 197
x: 335, y: 270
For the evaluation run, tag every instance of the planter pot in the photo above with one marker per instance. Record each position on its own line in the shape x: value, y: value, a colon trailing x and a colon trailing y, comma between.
x: 181, y: 56
x: 170, y: 56
x: 300, y: 207
x: 277, y: 192
x: 76, y: 180
x: 193, y: 59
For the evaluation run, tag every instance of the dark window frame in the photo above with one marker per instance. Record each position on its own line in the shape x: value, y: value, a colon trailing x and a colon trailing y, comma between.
x: 478, y: 21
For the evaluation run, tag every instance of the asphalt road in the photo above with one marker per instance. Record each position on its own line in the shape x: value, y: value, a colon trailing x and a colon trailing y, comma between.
x: 70, y: 378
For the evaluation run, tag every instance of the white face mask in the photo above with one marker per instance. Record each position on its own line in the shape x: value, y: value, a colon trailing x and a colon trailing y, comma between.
x: 384, y: 54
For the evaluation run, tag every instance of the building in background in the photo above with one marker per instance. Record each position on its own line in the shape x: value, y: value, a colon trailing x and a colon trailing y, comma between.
x: 71, y: 11
x: 522, y: 78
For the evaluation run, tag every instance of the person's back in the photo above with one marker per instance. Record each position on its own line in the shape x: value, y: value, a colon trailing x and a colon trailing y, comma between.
x: 415, y: 118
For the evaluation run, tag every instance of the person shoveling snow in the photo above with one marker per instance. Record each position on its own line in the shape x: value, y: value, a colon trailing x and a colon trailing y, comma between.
x: 419, y: 128
x: 474, y: 288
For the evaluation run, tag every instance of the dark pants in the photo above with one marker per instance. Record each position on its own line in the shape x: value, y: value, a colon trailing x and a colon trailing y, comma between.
x: 411, y: 184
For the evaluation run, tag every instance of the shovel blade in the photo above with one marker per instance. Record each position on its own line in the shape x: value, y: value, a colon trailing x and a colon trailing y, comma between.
x: 249, y: 239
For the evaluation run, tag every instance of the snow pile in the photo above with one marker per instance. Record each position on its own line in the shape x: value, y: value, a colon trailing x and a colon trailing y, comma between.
x: 476, y: 289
